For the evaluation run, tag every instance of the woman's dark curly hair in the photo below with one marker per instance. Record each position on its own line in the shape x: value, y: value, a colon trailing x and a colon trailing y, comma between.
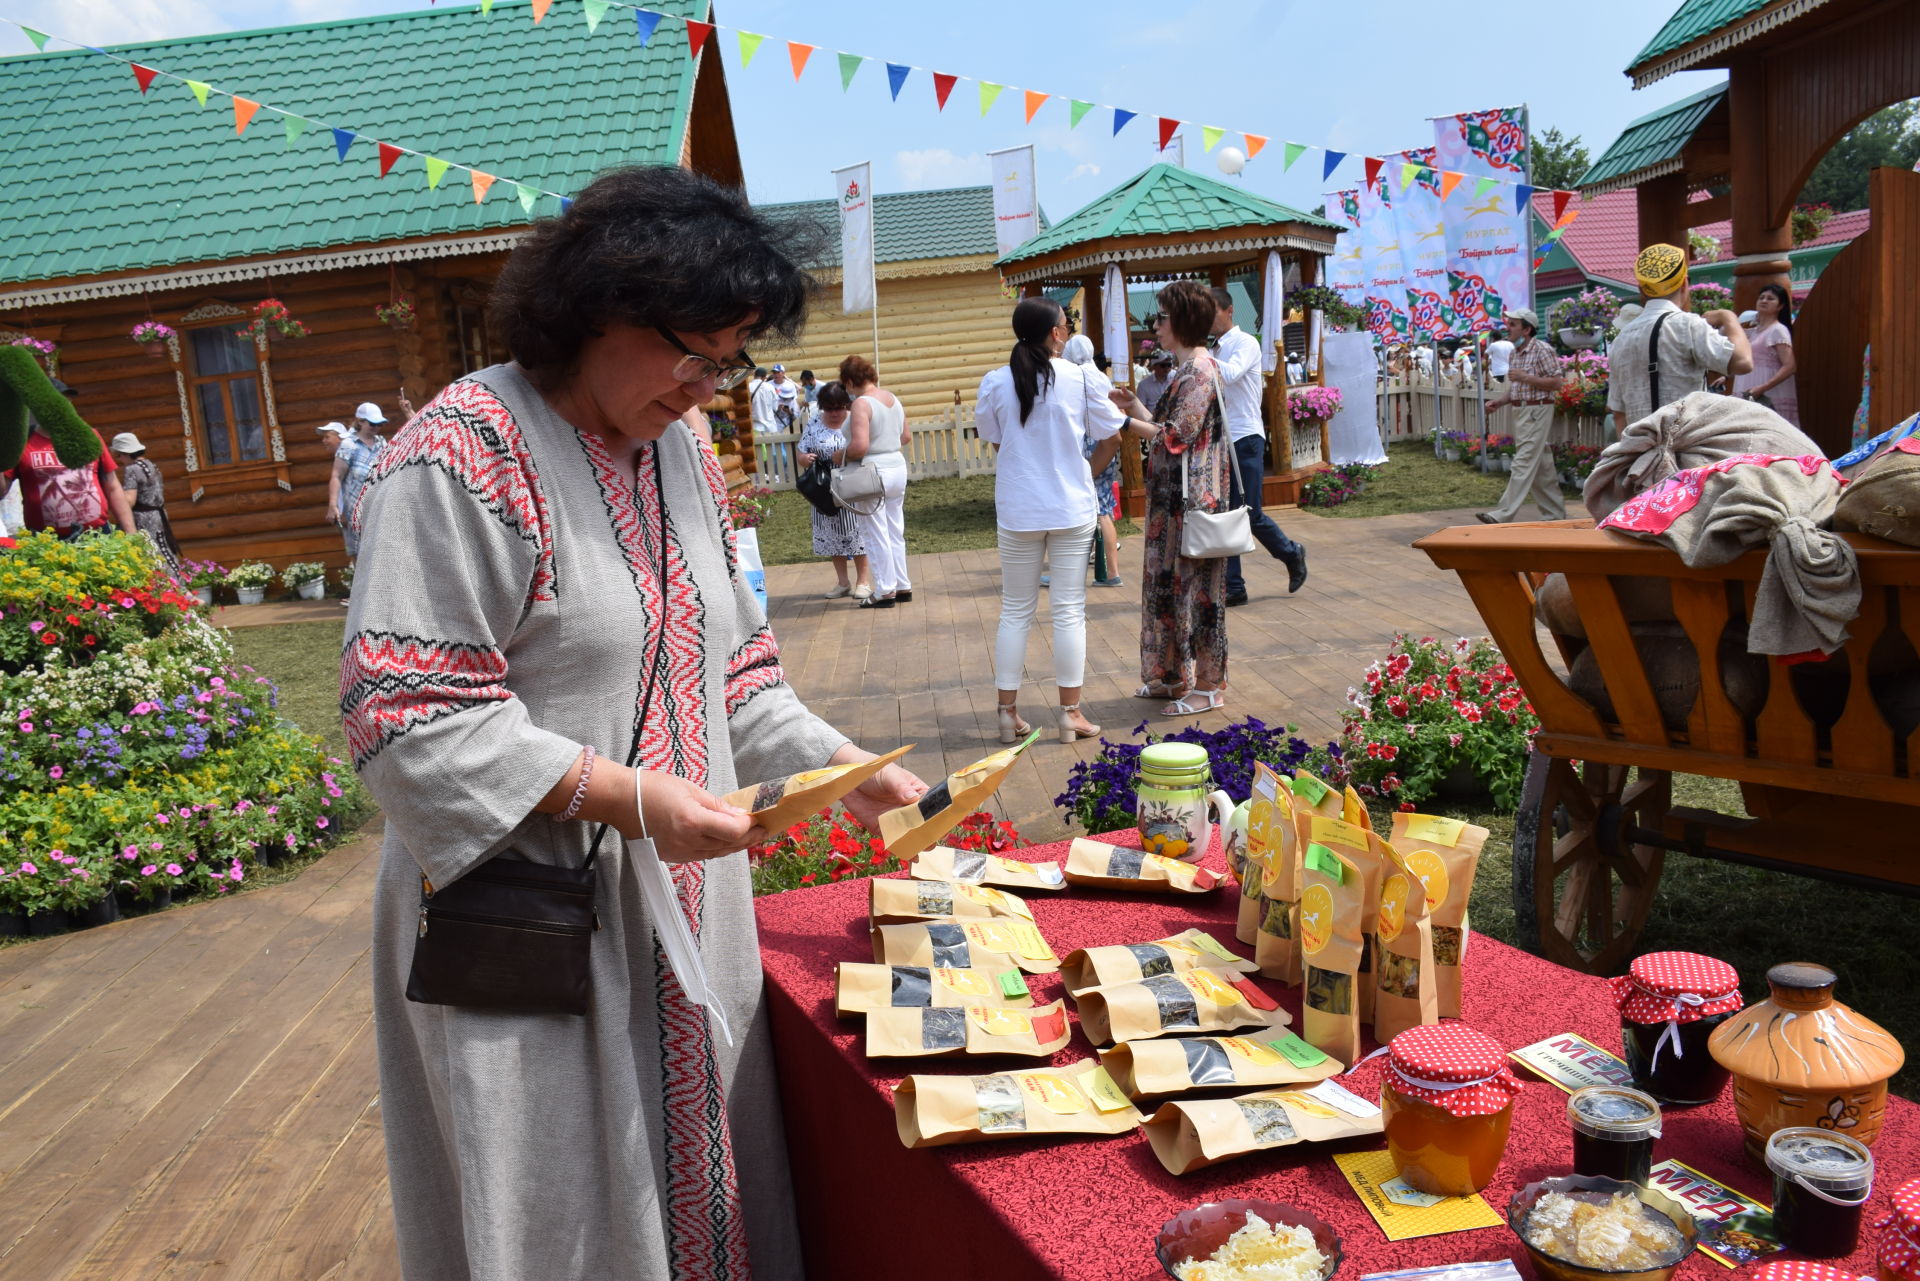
x: 652, y: 245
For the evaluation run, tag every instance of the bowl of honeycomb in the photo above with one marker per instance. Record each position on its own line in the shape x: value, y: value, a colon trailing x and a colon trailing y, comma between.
x: 1582, y: 1228
x: 1228, y: 1240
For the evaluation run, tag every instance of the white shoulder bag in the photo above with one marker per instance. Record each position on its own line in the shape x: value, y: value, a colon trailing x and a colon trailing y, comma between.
x: 1212, y: 535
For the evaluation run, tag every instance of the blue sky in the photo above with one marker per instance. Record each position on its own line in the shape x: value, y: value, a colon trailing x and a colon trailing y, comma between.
x: 1361, y: 76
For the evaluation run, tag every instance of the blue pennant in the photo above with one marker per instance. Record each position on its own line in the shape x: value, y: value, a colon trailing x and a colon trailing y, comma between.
x: 1521, y: 194
x: 342, y: 139
x: 1120, y: 119
x: 897, y: 76
x: 646, y: 20
x: 566, y: 203
x: 1333, y: 162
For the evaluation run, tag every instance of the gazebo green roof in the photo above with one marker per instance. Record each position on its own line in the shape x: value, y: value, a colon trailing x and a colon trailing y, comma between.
x: 97, y: 177
x: 1699, y: 29
x: 1165, y: 200
x: 1651, y: 145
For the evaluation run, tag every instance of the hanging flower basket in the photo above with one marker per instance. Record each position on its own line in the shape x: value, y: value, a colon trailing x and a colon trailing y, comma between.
x: 1577, y: 341
x: 47, y: 350
x: 398, y: 315
x: 271, y: 319
x: 153, y: 337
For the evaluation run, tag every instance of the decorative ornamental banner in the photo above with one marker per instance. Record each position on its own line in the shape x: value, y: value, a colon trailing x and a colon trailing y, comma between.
x: 1347, y: 266
x: 854, y: 187
x: 1015, y: 207
x: 1386, y: 281
x: 1488, y: 229
x: 1419, y: 227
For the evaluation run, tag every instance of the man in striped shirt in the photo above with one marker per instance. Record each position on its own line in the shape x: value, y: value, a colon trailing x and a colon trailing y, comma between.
x: 1533, y: 376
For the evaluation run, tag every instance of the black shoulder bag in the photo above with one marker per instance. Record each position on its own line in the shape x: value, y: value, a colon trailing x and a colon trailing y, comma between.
x: 815, y: 484
x: 514, y: 935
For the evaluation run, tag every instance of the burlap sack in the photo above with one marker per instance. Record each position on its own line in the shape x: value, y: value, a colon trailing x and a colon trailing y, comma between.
x: 1198, y: 1000
x: 943, y: 864
x: 1693, y: 431
x: 1194, y: 949
x: 965, y: 945
x: 933, y: 1111
x: 1191, y: 1134
x: 1406, y: 984
x: 914, y: 828
x: 1332, y: 903
x: 860, y: 988
x: 1642, y: 600
x: 978, y: 1029
x: 1176, y: 1064
x: 896, y: 902
x: 1115, y: 867
x: 1445, y: 854
x: 780, y: 803
x: 1883, y: 497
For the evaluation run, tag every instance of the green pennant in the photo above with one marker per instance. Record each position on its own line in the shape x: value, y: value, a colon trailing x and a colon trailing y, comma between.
x: 1210, y: 137
x: 1555, y: 233
x: 39, y: 38
x: 1485, y: 185
x: 1079, y: 109
x: 436, y: 170
x: 295, y: 126
x: 199, y: 88
x: 849, y: 63
x: 749, y: 45
x: 595, y: 10
x: 527, y: 196
x: 486, y: 6
x: 1406, y: 175
x: 988, y: 92
x: 1294, y: 151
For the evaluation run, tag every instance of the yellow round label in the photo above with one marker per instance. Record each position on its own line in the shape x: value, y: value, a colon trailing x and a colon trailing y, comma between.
x: 1055, y: 1094
x: 1174, y: 870
x: 993, y: 937
x: 805, y: 777
x: 1394, y: 896
x: 969, y: 982
x: 1260, y: 824
x: 1209, y: 984
x: 998, y: 900
x: 1000, y: 1022
x: 1316, y: 918
x: 1432, y: 871
x: 1252, y: 1051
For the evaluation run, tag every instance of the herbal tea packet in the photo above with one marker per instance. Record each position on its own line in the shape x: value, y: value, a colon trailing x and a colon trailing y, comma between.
x: 932, y: 1111
x: 1191, y: 1134
x: 1356, y: 843
x: 1177, y: 1064
x: 1115, y: 867
x: 965, y: 945
x: 859, y: 988
x: 943, y: 864
x: 1188, y: 1001
x: 976, y: 1029
x: 896, y: 902
x: 1331, y: 898
x: 914, y: 828
x: 1193, y: 949
x: 1405, y: 989
x: 1444, y: 853
x: 1273, y: 867
x: 781, y: 802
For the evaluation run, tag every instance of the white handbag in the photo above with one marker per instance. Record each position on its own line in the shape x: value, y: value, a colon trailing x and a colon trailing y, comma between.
x: 1214, y: 535
x: 857, y: 486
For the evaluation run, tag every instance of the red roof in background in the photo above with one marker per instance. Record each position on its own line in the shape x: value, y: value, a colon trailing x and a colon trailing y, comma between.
x: 1605, y: 238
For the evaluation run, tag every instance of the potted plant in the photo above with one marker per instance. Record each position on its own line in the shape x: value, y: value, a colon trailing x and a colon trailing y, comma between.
x: 1451, y: 444
x: 249, y: 581
x: 1313, y: 403
x: 1339, y: 313
x: 1702, y: 299
x: 398, y: 314
x: 153, y: 337
x: 748, y: 507
x: 45, y: 348
x: 308, y: 579
x: 1582, y: 320
x: 1809, y: 221
x: 271, y: 319
x: 203, y: 577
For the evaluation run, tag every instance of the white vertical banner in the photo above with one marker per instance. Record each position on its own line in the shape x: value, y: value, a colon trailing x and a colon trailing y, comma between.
x: 1015, y: 207
x: 1119, y: 338
x: 1489, y: 224
x: 1273, y: 314
x: 854, y: 187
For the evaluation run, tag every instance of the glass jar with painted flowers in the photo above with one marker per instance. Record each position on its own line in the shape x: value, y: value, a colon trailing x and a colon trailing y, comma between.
x: 153, y: 337
x: 249, y: 580
x: 307, y: 578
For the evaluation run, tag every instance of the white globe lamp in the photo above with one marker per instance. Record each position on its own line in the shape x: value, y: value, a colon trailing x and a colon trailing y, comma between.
x: 1231, y: 160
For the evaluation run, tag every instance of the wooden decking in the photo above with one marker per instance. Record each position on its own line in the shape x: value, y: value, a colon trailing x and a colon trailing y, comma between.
x: 193, y: 1095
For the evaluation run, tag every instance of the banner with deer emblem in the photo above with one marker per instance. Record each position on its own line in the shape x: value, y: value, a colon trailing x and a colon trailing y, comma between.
x: 1487, y: 229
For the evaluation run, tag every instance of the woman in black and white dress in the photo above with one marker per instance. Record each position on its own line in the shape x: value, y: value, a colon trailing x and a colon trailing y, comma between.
x: 837, y: 536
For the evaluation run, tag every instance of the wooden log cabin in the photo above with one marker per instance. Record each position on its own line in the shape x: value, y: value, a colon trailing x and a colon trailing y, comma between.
x: 118, y: 206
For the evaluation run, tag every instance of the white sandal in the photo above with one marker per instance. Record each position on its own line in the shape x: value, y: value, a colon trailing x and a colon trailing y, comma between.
x: 1209, y: 700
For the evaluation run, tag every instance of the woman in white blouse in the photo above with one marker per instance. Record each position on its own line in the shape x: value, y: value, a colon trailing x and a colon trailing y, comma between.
x: 1037, y: 410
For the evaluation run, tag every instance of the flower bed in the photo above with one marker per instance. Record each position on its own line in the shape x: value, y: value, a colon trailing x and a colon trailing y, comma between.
x: 1331, y: 488
x: 141, y: 761
x: 1099, y: 795
x: 830, y: 846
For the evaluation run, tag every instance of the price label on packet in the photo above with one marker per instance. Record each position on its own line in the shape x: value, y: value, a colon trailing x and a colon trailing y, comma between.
x: 1106, y: 1096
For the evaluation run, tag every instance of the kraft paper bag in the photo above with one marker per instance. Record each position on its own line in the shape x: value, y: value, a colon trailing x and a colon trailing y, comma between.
x: 780, y: 803
x: 933, y: 1111
x: 1177, y: 1064
x: 976, y: 1029
x: 1189, y: 1001
x: 943, y: 864
x: 1445, y: 854
x: 1191, y: 1134
x: 965, y: 945
x: 1405, y: 987
x: 1115, y: 867
x: 860, y: 988
x: 1332, y: 902
x: 897, y: 902
x: 913, y: 829
x: 1357, y: 844
x: 1193, y: 949
x: 1273, y: 847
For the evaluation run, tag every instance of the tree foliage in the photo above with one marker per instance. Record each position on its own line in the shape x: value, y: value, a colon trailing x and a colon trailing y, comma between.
x: 1558, y: 161
x: 1890, y: 137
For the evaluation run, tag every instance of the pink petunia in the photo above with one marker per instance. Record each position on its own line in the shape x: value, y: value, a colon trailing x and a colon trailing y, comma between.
x: 236, y: 874
x: 26, y: 727
x: 155, y: 847
x: 148, y: 870
x: 173, y: 869
x: 320, y: 822
x: 56, y: 773
x: 185, y: 812
x: 162, y: 819
x: 28, y: 869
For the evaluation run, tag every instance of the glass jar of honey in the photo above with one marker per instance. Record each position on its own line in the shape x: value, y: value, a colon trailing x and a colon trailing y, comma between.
x: 1613, y: 1132
x: 1821, y: 1182
x: 1899, y: 1245
x: 1670, y: 1003
x: 1447, y: 1100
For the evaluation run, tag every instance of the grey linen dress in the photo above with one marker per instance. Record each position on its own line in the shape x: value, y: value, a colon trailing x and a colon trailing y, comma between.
x: 507, y: 600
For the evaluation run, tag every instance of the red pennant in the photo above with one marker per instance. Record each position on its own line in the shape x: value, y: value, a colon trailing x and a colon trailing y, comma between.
x: 1448, y: 181
x: 388, y: 154
x: 1166, y: 131
x: 1560, y: 201
x: 243, y: 109
x: 1254, y: 143
x: 144, y: 75
x: 1373, y: 170
x: 697, y: 33
x: 942, y: 86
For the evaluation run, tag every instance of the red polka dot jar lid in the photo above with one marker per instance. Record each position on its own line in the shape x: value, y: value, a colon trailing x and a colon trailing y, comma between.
x: 1461, y: 1071
x: 1800, y: 1270
x: 1676, y: 987
x: 1900, y: 1230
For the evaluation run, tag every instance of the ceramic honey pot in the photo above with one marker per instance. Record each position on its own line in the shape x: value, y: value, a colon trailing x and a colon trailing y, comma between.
x: 1172, y: 805
x: 1802, y: 1058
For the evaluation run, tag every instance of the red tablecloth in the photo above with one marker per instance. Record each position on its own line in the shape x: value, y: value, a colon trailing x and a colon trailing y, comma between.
x: 1089, y: 1207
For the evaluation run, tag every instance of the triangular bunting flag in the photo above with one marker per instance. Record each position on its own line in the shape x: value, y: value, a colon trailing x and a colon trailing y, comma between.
x: 1373, y: 170
x: 1331, y: 163
x: 342, y: 139
x: 644, y: 21
x: 1406, y: 175
x: 566, y: 203
x: 527, y: 196
x: 1255, y: 142
x: 989, y: 92
x: 1483, y: 186
x: 1448, y: 181
x: 144, y: 75
x: 1077, y: 110
x: 697, y: 33
x: 1035, y: 100
x: 1120, y: 119
x: 1167, y: 127
x: 595, y: 10
x: 1210, y: 137
x: 942, y: 86
x: 388, y: 154
x: 199, y: 88
x: 749, y: 45
x: 797, y: 55
x: 1521, y: 195
x: 1561, y: 199
x: 39, y: 38
x: 1566, y: 219
x: 295, y: 126
x: 540, y: 8
x: 482, y: 182
x: 243, y: 113
x: 1293, y: 151
x: 436, y: 170
x: 897, y: 76
x: 849, y: 65
x: 486, y: 6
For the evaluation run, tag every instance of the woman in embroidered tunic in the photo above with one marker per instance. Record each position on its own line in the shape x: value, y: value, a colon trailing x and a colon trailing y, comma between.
x: 631, y: 1142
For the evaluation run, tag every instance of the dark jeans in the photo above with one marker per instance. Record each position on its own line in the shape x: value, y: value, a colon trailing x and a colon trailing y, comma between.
x: 1252, y: 453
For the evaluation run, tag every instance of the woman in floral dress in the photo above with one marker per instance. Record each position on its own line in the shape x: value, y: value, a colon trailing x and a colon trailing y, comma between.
x: 1183, y: 621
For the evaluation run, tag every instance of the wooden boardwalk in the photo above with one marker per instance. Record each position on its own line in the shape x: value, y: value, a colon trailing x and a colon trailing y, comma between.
x: 193, y: 1095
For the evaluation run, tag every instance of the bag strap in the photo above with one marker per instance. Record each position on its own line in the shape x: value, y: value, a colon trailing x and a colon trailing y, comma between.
x: 1653, y: 361
x: 1233, y: 455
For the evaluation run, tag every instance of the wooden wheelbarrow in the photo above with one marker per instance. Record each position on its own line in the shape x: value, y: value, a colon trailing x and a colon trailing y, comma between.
x: 1827, y: 754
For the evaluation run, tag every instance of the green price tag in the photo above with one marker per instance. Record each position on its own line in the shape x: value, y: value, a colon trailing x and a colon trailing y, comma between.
x: 1322, y: 859
x: 1012, y: 985
x: 1311, y: 788
x: 1297, y: 1051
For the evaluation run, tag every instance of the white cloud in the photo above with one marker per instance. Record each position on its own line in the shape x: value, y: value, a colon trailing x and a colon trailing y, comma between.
x: 1084, y: 171
x: 938, y: 167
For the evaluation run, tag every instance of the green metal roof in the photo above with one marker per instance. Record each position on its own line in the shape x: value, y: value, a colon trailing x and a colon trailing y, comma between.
x: 1165, y: 200
x: 1695, y: 20
x: 951, y: 223
x: 1654, y: 140
x: 97, y: 177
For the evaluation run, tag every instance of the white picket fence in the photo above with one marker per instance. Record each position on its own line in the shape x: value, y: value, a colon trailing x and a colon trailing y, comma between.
x: 1410, y: 410
x: 943, y: 446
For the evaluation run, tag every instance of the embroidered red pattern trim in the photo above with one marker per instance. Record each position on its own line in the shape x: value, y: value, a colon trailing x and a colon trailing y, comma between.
x: 390, y: 684
x: 1655, y: 511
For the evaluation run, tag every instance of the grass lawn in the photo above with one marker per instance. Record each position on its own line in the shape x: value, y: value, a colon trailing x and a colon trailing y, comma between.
x: 1413, y: 480
x: 303, y: 660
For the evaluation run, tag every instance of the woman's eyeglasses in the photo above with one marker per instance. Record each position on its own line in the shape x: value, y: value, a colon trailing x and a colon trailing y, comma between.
x: 693, y: 367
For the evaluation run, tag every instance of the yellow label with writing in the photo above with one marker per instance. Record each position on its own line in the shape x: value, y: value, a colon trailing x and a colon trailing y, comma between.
x: 1054, y: 1093
x: 1431, y: 827
x: 1394, y: 897
x: 1316, y: 918
x: 1172, y: 868
x: 1352, y: 808
x: 991, y: 935
x: 1027, y: 941
x: 1253, y: 1052
x: 1000, y: 1022
x: 1210, y: 984
x: 998, y: 900
x: 1200, y: 942
x: 965, y: 982
x: 804, y: 777
x: 1432, y: 871
x: 1106, y: 1096
x: 1331, y: 831
x: 1312, y: 1107
x: 1013, y: 866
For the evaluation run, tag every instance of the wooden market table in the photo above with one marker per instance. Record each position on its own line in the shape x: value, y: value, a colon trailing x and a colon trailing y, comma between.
x: 1087, y: 1209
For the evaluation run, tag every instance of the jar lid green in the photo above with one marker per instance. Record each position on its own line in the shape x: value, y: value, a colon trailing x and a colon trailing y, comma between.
x: 1173, y: 758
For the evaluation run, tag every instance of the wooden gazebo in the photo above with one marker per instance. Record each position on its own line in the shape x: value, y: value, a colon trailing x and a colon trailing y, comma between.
x: 1170, y: 223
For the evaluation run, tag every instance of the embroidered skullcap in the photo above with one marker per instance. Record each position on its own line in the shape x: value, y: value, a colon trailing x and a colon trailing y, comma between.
x: 1661, y: 270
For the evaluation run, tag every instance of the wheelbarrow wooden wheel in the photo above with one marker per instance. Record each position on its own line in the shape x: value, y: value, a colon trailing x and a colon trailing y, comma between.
x: 1582, y: 887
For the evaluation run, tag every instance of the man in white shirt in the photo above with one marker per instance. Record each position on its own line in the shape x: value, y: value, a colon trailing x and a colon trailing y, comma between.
x: 1499, y: 354
x: 1664, y: 353
x: 763, y: 402
x: 1241, y: 385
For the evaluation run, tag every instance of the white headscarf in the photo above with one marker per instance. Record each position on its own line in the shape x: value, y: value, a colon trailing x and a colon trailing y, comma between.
x: 1079, y: 350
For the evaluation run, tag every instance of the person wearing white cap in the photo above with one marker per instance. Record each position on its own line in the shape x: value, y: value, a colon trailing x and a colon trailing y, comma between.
x: 140, y: 480
x: 1533, y: 376
x: 352, y: 468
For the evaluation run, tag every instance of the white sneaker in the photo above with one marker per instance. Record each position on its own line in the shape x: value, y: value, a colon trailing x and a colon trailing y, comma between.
x: 837, y: 592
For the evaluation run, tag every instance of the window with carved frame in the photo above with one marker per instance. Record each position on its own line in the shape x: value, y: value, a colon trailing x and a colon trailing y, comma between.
x: 224, y: 390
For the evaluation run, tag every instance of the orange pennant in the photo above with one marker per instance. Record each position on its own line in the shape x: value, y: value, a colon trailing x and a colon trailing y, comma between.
x: 798, y: 54
x: 243, y: 109
x: 481, y: 181
x: 1254, y: 143
x: 540, y: 8
x: 1448, y: 181
x: 1034, y: 101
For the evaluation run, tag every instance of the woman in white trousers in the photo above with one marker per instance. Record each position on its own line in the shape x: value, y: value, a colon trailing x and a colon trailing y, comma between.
x: 877, y: 430
x: 1038, y: 410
